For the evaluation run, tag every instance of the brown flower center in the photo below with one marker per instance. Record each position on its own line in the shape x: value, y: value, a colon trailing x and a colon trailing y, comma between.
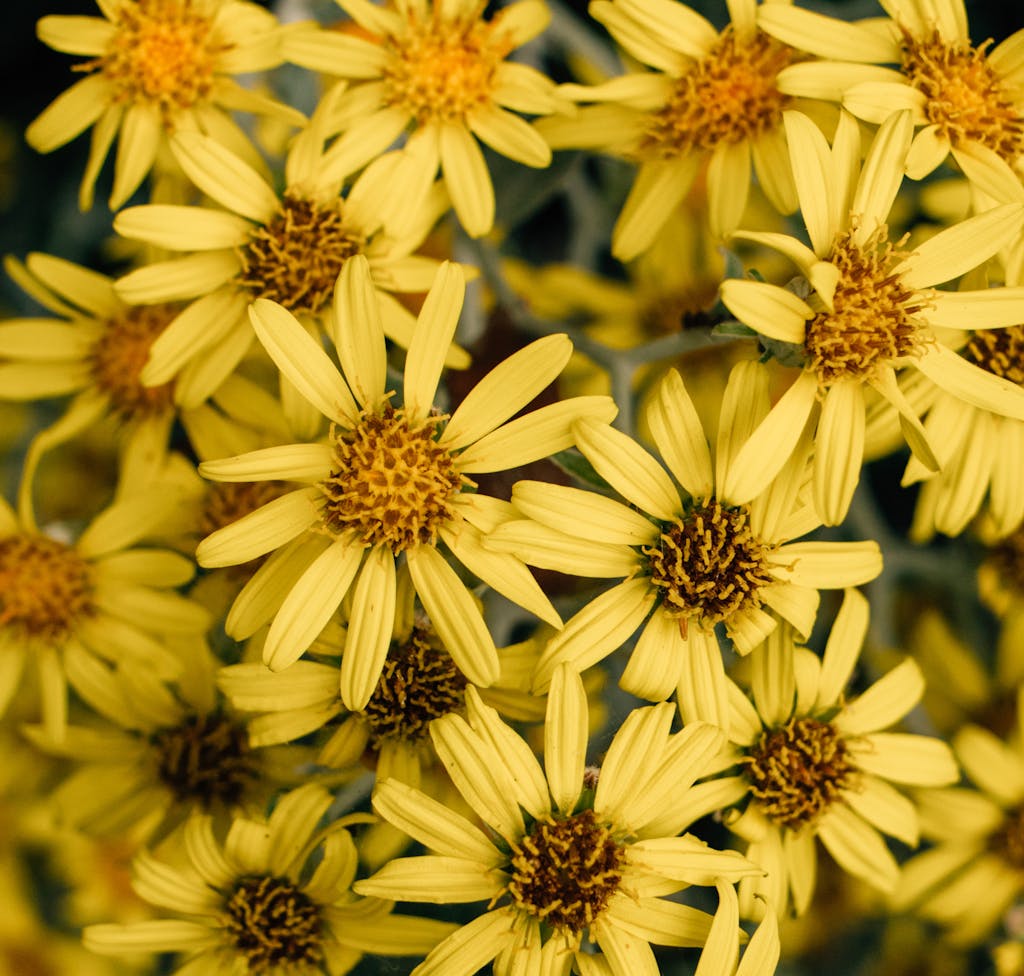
x: 729, y: 95
x: 710, y: 564
x: 1007, y: 559
x: 296, y: 258
x: 162, y: 54
x: 874, y: 320
x: 419, y: 683
x: 227, y: 502
x: 671, y: 312
x: 119, y: 355
x: 999, y: 351
x: 1008, y: 840
x: 441, y: 70
x: 207, y: 759
x: 45, y: 587
x: 274, y: 926
x: 565, y: 871
x: 390, y: 481
x: 797, y: 770
x: 965, y: 98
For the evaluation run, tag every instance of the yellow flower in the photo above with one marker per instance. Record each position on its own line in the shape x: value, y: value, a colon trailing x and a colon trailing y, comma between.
x: 870, y: 310
x: 565, y: 858
x: 722, y: 555
x: 288, y: 247
x: 100, y: 595
x: 967, y: 99
x: 1001, y: 576
x: 391, y: 485
x: 156, y: 67
x: 439, y: 70
x: 812, y: 763
x: 712, y: 99
x: 975, y: 871
x: 419, y: 683
x: 159, y: 751
x: 251, y: 906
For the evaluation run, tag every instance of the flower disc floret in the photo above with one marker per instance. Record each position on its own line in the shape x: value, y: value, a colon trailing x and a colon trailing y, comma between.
x: 564, y: 871
x: 798, y: 770
x: 296, y: 257
x: 1007, y: 841
x: 390, y: 481
x: 964, y: 97
x: 206, y: 759
x: 121, y: 352
x: 163, y: 53
x: 730, y: 95
x: 45, y: 587
x: 274, y: 925
x: 874, y: 317
x: 442, y: 70
x: 709, y: 564
x: 419, y: 683
x: 999, y: 351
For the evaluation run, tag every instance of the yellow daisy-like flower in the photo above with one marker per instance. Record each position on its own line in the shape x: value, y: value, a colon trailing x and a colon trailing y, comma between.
x: 251, y: 905
x: 159, y: 752
x: 156, y: 67
x: 418, y: 684
x: 101, y: 595
x: 712, y: 99
x: 439, y: 71
x: 392, y: 483
x: 975, y: 871
x: 721, y: 556
x: 968, y: 100
x: 563, y: 857
x: 287, y: 247
x: 870, y: 309
x: 981, y: 454
x: 812, y: 763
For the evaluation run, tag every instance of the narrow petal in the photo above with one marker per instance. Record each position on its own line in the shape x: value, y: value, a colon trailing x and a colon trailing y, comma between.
x: 467, y: 179
x: 768, y: 309
x: 180, y: 228
x: 728, y: 182
x: 371, y: 622
x: 885, y: 702
x: 359, y: 332
x: 913, y: 760
x: 656, y: 193
x: 565, y: 737
x: 858, y: 848
x: 311, y: 603
x: 722, y: 950
x: 882, y: 174
x: 679, y: 436
x: 970, y: 383
x: 827, y: 37
x: 293, y: 462
x: 69, y: 114
x: 828, y: 565
x: 470, y: 947
x: 885, y: 808
x: 702, y: 694
x: 627, y: 954
x: 843, y: 647
x: 811, y: 160
x: 840, y: 450
x: 652, y: 671
x: 141, y: 134
x: 509, y: 135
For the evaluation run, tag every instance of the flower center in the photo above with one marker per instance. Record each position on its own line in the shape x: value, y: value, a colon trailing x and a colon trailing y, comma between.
x: 728, y: 96
x: 710, y: 564
x: 119, y: 355
x: 390, y: 481
x: 163, y: 54
x: 442, y: 70
x: 797, y: 770
x: 671, y: 312
x: 228, y: 501
x: 565, y: 871
x: 874, y: 319
x: 999, y: 351
x: 419, y: 683
x: 45, y: 587
x: 965, y: 97
x: 273, y: 925
x: 296, y: 258
x: 1007, y: 558
x: 1008, y: 840
x: 206, y: 759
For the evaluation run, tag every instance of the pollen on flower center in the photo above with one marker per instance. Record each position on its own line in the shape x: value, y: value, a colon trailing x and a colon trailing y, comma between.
x: 274, y: 925
x: 797, y: 770
x: 874, y: 318
x: 390, y: 481
x: 207, y: 759
x: 1008, y: 840
x: 419, y: 683
x: 565, y: 871
x: 162, y: 54
x: 45, y: 587
x: 296, y: 258
x: 964, y: 97
x: 119, y: 355
x: 730, y: 95
x: 709, y: 565
x: 999, y: 351
x: 441, y: 70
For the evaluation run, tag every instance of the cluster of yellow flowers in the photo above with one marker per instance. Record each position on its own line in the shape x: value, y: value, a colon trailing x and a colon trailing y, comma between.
x: 393, y: 511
